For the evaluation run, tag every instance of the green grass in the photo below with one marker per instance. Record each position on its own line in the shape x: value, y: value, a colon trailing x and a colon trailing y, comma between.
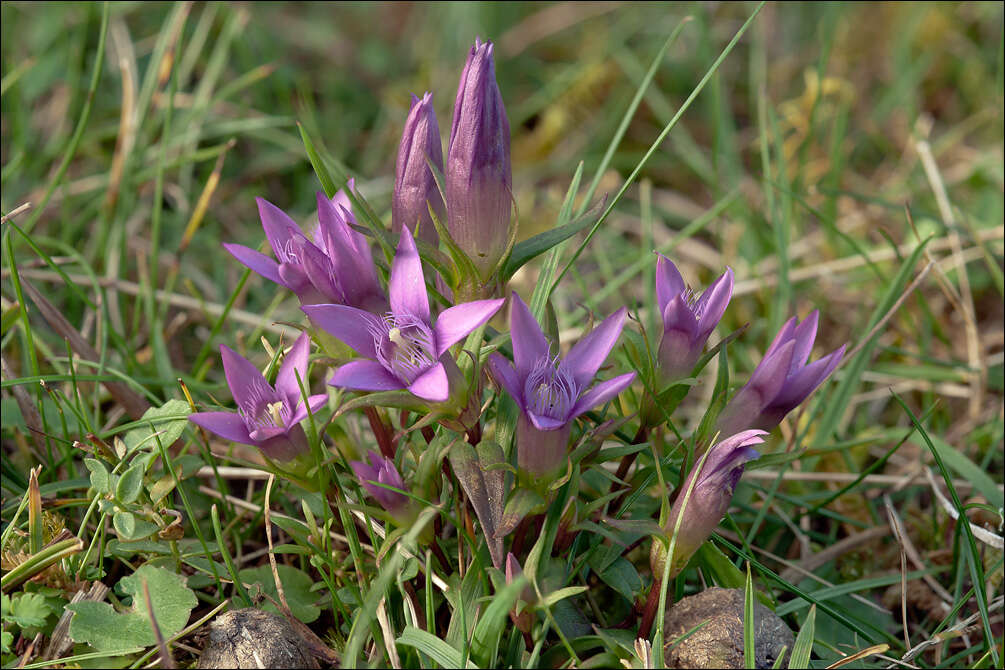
x: 843, y: 157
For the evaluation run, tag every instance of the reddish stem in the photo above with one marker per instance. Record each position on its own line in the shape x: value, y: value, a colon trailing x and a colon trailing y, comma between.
x: 381, y: 431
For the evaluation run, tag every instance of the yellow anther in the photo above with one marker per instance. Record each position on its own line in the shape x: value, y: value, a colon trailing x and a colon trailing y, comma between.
x: 394, y: 335
x: 274, y: 408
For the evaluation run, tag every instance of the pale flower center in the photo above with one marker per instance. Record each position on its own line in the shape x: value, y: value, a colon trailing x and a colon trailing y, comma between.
x: 550, y: 392
x: 261, y: 410
x: 405, y: 346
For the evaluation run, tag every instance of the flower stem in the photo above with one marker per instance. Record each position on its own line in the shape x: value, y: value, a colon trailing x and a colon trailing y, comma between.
x: 381, y: 431
x: 649, y: 612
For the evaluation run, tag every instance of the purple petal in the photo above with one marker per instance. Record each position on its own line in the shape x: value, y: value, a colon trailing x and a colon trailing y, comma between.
x: 455, y: 323
x: 348, y: 251
x: 529, y: 343
x: 228, y: 425
x: 678, y: 316
x: 586, y: 357
x: 546, y: 422
x: 266, y: 433
x: 713, y: 302
x: 294, y: 363
x: 783, y: 336
x: 800, y: 384
x: 431, y: 385
x: 246, y: 382
x: 732, y: 451
x: 407, y: 286
x: 257, y: 261
x: 294, y: 277
x: 279, y: 227
x: 771, y: 372
x: 349, y: 324
x: 601, y: 393
x: 507, y: 377
x: 315, y: 402
x: 669, y: 283
x: 365, y: 375
x: 804, y: 335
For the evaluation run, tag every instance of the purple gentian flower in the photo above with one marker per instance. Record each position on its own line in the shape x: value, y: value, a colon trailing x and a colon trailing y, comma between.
x: 688, y: 319
x: 551, y: 393
x: 333, y: 265
x: 267, y: 417
x: 781, y: 381
x: 380, y: 470
x: 402, y: 348
x: 415, y: 188
x: 479, y: 177
x: 714, y: 483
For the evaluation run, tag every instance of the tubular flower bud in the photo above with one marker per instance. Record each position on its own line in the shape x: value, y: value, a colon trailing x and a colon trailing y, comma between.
x: 711, y: 484
x: 415, y: 189
x: 479, y: 180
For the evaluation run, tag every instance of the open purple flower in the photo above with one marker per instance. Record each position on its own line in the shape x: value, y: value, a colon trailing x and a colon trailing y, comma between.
x: 781, y: 381
x: 380, y: 470
x: 267, y: 417
x: 402, y: 348
x: 551, y: 393
x: 712, y: 490
x: 332, y: 265
x: 479, y: 178
x: 415, y: 188
x: 688, y: 319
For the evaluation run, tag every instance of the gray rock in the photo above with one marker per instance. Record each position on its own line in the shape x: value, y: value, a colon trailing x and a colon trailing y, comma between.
x: 719, y: 643
x: 250, y: 638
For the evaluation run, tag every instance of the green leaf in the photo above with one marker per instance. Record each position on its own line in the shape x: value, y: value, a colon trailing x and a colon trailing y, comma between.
x: 622, y: 576
x: 99, y: 475
x: 530, y: 248
x: 130, y: 484
x: 169, y: 420
x: 433, y: 647
x: 26, y: 610
x: 749, y: 657
x: 521, y: 502
x: 296, y: 586
x: 562, y: 594
x: 100, y: 626
x: 491, y: 627
x: 129, y: 527
x: 967, y: 469
x: 800, y: 657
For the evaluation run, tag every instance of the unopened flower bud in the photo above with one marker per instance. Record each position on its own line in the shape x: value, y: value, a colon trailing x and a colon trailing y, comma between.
x: 415, y: 189
x: 479, y: 177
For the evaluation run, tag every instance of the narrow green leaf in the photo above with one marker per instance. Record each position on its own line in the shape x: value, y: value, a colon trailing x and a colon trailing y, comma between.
x: 801, y: 650
x: 438, y: 650
x: 749, y: 657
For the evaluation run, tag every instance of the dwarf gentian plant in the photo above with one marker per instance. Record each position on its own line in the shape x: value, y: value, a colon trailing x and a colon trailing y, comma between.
x: 711, y: 484
x: 781, y: 381
x: 267, y: 417
x: 380, y: 470
x: 549, y: 392
x: 333, y: 265
x: 402, y: 348
x: 415, y: 188
x: 479, y: 178
x: 688, y: 319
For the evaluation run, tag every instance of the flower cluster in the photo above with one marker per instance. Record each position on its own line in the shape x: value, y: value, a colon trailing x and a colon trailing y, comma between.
x: 405, y: 343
